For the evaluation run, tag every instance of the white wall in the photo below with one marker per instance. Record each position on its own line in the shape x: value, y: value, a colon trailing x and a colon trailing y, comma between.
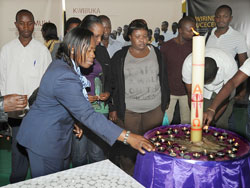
x: 120, y: 12
x: 124, y: 11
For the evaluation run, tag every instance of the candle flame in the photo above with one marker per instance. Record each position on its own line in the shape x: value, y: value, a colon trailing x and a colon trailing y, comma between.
x: 195, y: 32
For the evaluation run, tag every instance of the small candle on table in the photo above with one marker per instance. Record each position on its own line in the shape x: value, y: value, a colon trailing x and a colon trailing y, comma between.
x: 221, y: 138
x: 205, y: 129
x: 205, y: 152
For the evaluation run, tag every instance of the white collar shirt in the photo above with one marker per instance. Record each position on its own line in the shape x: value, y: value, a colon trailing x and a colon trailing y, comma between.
x: 233, y: 42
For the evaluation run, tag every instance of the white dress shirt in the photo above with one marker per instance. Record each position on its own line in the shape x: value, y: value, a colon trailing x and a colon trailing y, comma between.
x: 21, y: 68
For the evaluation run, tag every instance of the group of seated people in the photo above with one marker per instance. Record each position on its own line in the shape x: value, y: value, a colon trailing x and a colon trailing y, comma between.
x: 90, y: 92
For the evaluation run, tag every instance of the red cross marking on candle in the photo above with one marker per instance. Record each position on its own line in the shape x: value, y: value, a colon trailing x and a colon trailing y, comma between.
x: 196, y: 100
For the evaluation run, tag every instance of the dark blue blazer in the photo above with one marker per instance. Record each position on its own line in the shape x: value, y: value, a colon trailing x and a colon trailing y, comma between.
x: 47, y: 128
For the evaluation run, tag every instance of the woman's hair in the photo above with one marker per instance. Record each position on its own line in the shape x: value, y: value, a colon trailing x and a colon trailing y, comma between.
x: 136, y: 25
x: 49, y: 31
x: 77, y: 41
x: 89, y: 20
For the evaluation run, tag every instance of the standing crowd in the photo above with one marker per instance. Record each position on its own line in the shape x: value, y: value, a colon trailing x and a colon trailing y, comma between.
x: 95, y: 94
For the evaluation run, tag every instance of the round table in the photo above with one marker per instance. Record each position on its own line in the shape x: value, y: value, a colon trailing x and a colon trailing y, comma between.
x: 158, y: 170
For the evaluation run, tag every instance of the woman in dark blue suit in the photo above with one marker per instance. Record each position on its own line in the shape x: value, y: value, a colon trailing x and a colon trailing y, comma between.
x: 46, y: 131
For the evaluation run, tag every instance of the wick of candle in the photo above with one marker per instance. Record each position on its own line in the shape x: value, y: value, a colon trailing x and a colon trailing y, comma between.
x: 195, y: 32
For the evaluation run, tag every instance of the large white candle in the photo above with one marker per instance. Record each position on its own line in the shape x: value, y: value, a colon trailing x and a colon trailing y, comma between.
x: 63, y: 17
x: 197, y: 87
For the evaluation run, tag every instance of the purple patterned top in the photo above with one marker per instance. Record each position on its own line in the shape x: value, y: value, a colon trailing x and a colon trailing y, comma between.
x: 91, y: 73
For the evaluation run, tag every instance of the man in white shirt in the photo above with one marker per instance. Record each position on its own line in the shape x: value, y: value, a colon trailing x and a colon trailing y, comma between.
x: 155, y: 41
x: 119, y: 32
x: 233, y: 42
x: 219, y: 68
x: 239, y: 77
x: 225, y: 37
x: 23, y: 62
x: 167, y: 34
x: 174, y: 29
x: 111, y: 45
x: 122, y: 37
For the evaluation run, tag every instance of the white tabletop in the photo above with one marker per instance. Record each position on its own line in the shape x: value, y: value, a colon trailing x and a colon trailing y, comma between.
x: 102, y: 174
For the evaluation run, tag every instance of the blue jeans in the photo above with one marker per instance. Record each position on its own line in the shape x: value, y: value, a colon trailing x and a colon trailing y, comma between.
x: 88, y: 149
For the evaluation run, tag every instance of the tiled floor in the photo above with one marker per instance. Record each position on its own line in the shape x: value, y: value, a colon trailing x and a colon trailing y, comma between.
x: 5, y: 153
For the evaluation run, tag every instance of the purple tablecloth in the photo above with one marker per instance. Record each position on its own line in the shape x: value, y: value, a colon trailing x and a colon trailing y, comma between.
x: 160, y: 170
